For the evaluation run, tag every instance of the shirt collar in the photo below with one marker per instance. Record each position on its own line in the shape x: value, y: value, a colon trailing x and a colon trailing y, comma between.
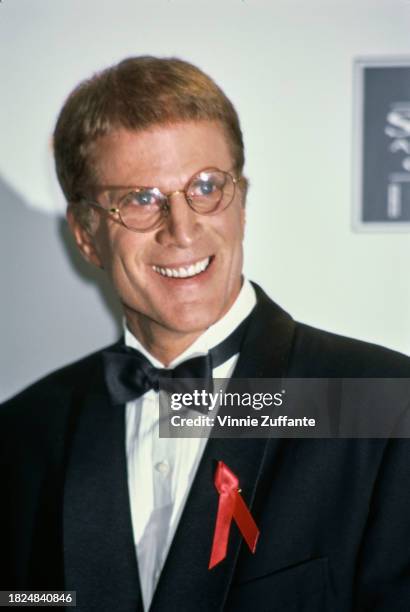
x: 215, y: 334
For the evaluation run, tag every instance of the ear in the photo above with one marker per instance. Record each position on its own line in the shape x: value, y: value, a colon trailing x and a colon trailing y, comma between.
x: 243, y: 190
x: 84, y: 238
x: 243, y: 220
x: 243, y: 185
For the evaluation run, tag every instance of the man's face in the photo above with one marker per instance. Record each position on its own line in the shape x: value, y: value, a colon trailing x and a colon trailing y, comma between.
x: 167, y: 157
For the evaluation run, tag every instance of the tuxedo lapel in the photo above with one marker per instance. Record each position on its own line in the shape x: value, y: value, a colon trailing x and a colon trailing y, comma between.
x: 186, y: 583
x: 99, y: 555
x: 267, y: 345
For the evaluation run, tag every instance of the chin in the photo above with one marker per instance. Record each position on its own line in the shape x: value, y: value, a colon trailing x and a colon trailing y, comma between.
x: 190, y: 322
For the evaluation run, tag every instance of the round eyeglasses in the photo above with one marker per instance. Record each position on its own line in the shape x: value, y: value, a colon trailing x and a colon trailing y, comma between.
x: 142, y: 209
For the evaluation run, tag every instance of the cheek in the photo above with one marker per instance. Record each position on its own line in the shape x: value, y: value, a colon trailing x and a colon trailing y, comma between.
x: 118, y: 254
x: 112, y: 240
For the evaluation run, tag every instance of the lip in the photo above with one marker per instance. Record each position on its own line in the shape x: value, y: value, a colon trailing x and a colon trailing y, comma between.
x: 193, y: 280
x: 183, y: 264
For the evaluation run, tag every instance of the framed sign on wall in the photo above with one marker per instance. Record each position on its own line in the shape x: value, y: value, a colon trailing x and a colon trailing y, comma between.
x: 381, y: 199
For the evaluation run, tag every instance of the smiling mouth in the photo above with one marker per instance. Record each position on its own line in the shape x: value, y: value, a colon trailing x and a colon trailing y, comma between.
x: 184, y: 271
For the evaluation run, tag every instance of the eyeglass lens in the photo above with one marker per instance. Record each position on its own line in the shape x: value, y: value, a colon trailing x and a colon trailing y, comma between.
x: 208, y: 192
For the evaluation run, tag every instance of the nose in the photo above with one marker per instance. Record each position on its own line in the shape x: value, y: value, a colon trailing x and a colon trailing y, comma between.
x: 182, y: 225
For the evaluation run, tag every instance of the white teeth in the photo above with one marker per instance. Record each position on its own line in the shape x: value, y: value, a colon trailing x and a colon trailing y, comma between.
x: 184, y: 272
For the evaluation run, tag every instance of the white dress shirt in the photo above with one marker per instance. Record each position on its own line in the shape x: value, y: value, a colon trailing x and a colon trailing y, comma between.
x: 161, y: 470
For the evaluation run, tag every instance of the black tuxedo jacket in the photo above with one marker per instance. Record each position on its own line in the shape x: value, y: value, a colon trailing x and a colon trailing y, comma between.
x: 334, y: 514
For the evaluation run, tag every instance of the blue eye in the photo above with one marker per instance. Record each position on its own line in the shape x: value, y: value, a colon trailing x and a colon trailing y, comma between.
x: 144, y: 197
x: 203, y: 188
x: 206, y: 187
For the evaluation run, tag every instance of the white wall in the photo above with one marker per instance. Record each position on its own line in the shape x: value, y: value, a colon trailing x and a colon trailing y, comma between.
x: 287, y: 65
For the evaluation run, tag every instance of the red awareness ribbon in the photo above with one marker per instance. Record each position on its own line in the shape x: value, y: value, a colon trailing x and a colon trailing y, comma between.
x: 231, y: 506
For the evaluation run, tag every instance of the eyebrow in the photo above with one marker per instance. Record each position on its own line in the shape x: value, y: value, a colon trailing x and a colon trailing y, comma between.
x: 108, y: 188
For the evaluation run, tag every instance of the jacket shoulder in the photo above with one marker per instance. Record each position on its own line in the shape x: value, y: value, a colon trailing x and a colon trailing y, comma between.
x: 321, y: 353
x: 57, y: 388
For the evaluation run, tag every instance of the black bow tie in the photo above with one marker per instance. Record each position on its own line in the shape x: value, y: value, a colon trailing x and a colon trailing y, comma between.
x: 129, y: 374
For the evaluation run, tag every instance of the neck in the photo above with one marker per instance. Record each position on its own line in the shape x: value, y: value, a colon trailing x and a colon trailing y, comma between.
x: 164, y: 344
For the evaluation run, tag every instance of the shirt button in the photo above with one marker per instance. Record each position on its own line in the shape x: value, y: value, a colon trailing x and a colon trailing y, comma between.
x: 162, y: 467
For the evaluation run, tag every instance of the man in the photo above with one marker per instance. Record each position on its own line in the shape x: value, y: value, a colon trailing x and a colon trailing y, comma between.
x: 149, y: 154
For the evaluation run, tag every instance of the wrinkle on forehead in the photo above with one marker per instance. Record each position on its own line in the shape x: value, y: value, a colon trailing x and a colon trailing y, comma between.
x: 164, y: 156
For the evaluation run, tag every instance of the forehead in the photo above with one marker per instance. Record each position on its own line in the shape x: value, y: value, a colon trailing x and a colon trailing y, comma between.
x: 165, y: 156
